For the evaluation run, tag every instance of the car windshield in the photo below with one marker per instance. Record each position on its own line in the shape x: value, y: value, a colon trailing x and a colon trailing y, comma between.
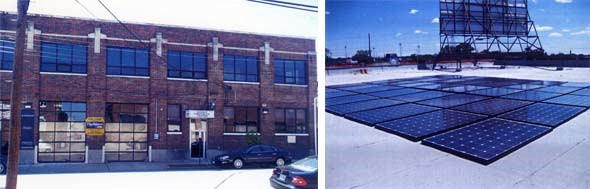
x: 306, y: 164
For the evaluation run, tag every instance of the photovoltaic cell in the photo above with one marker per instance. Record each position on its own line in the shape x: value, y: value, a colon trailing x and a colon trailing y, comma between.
x: 531, y: 95
x: 487, y: 141
x: 371, y: 117
x: 421, y: 96
x: 558, y: 89
x: 424, y: 125
x: 395, y: 92
x: 495, y: 91
x: 545, y: 114
x: 492, y: 107
x: 358, y: 87
x: 338, y: 93
x: 525, y: 86
x: 584, y: 92
x: 348, y: 99
x: 361, y: 106
x: 574, y: 100
x: 464, y: 88
x: 576, y: 84
x: 546, y: 83
x: 414, y: 84
x: 452, y: 100
x: 374, y: 89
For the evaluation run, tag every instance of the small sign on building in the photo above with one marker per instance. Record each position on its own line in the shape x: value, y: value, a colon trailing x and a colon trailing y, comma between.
x: 199, y: 114
x: 95, y: 126
x: 291, y: 139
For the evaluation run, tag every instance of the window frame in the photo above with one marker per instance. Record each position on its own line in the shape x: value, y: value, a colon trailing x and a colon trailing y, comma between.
x: 55, y: 132
x: 137, y: 107
x: 281, y: 76
x: 6, y: 63
x: 59, y: 62
x: 234, y: 73
x: 246, y: 125
x: 170, y: 122
x: 195, y: 57
x: 121, y: 67
x: 285, y: 125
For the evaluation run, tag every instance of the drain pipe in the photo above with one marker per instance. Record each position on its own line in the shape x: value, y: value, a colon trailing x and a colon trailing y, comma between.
x: 315, y: 123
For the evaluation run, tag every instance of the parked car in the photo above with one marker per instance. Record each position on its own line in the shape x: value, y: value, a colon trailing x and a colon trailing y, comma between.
x: 299, y: 174
x: 3, y: 159
x: 255, y: 154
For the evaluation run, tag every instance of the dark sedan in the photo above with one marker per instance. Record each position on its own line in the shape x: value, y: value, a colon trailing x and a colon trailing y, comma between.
x: 299, y: 174
x: 255, y: 154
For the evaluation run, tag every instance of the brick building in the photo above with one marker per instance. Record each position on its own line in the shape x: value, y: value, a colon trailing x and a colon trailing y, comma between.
x: 154, y: 94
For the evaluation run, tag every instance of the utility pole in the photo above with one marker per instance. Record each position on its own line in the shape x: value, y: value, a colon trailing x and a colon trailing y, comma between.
x: 345, y: 52
x: 370, y: 54
x: 400, y: 50
x: 418, y: 55
x: 16, y: 95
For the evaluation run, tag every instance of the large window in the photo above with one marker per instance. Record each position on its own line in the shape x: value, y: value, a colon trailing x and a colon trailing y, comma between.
x: 174, y: 117
x: 126, y: 132
x: 290, y: 72
x: 290, y: 120
x: 61, y: 131
x: 6, y: 54
x: 69, y: 58
x: 4, y: 124
x: 189, y: 65
x: 240, y: 68
x: 241, y: 119
x: 128, y: 61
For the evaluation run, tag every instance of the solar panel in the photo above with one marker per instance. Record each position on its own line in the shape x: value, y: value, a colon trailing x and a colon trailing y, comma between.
x: 361, y: 106
x: 525, y: 86
x: 345, y: 85
x: 545, y: 114
x: 371, y: 117
x: 494, y: 91
x: 574, y: 100
x: 487, y: 141
x: 464, y: 88
x: 492, y: 107
x: 396, y: 92
x: 498, y: 84
x: 338, y: 93
x: 576, y: 84
x: 452, y: 100
x: 584, y: 92
x: 420, y: 96
x: 374, y: 89
x: 558, y: 89
x: 546, y: 83
x: 531, y: 95
x: 424, y: 125
x: 348, y: 99
x: 357, y: 87
x: 414, y: 84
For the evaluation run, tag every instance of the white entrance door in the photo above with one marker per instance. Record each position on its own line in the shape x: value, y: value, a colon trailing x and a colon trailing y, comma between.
x: 198, y: 138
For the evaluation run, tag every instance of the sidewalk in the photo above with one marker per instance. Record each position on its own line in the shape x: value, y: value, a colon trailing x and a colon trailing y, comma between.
x: 48, y: 168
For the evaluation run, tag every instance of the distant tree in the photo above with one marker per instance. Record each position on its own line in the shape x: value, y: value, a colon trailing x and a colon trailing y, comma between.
x: 362, y: 56
x: 328, y: 54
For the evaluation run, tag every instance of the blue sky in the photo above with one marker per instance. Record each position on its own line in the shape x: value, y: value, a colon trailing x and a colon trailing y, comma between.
x: 563, y: 25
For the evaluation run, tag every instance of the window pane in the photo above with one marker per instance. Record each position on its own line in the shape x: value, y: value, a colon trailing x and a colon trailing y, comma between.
x: 240, y: 67
x: 64, y: 54
x: 186, y: 61
x: 252, y: 66
x: 173, y: 60
x: 142, y: 58
x: 113, y: 57
x: 79, y: 56
x: 48, y: 53
x: 128, y: 57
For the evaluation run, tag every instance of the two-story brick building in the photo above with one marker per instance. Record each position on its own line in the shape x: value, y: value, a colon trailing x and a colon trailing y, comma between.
x: 164, y: 92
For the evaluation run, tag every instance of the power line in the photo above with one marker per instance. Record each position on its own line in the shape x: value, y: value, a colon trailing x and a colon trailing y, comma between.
x: 268, y: 2
x: 87, y: 10
x: 289, y: 3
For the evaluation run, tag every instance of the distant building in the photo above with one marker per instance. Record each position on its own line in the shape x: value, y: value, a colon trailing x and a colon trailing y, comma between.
x: 392, y: 58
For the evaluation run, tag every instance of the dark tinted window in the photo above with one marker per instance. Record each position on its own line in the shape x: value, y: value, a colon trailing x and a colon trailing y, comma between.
x: 68, y: 58
x: 240, y: 68
x: 128, y: 61
x: 189, y: 65
x: 6, y: 54
x: 290, y: 72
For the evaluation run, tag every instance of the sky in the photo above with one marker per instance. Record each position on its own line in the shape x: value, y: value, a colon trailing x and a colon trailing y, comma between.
x: 226, y: 15
x: 563, y: 25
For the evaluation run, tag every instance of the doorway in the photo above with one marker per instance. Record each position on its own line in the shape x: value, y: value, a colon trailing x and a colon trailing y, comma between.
x: 198, y: 139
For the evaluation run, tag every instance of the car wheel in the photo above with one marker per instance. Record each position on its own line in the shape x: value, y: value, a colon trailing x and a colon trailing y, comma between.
x: 238, y: 163
x: 280, y: 162
x: 2, y: 168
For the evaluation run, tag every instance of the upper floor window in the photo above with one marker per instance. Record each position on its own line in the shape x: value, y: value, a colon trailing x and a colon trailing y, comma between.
x: 69, y: 58
x: 188, y: 65
x: 128, y: 61
x: 6, y: 54
x: 240, y: 68
x: 290, y: 72
x: 290, y: 120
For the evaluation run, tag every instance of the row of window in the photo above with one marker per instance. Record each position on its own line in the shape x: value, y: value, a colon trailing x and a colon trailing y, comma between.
x: 72, y: 58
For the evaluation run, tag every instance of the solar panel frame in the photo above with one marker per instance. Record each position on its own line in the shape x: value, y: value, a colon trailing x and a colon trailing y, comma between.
x: 348, y: 99
x: 576, y: 84
x: 429, y: 124
x: 582, y: 92
x: 558, y: 89
x: 374, y: 116
x: 551, y: 115
x: 452, y: 100
x: 494, y: 92
x: 464, y: 88
x: 374, y: 89
x: 395, y: 92
x: 531, y: 95
x: 525, y: 86
x: 571, y: 100
x: 414, y: 97
x: 492, y: 106
x: 536, y: 131
x: 339, y: 93
x: 343, y: 109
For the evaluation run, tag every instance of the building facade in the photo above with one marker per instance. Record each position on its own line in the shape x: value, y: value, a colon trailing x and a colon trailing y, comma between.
x: 164, y: 92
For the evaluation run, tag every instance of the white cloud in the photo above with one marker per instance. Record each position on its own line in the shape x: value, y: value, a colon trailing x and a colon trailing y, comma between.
x: 564, y: 1
x: 544, y: 28
x: 566, y: 30
x: 398, y: 34
x: 534, y: 1
x: 435, y: 20
x: 414, y: 11
x: 583, y: 32
x: 420, y: 32
x: 555, y: 34
x: 327, y: 12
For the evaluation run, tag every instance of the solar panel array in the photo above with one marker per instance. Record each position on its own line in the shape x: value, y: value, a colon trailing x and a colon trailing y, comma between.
x: 481, y: 119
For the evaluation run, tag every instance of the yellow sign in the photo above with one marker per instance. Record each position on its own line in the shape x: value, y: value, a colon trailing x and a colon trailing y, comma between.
x: 95, y: 126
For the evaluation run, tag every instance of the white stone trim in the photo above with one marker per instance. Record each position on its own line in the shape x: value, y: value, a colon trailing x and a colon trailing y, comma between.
x: 241, y: 48
x: 184, y: 79
x: 240, y: 134
x: 65, y: 35
x: 129, y: 40
x: 7, y: 31
x: 6, y: 71
x: 291, y: 85
x: 62, y: 73
x: 242, y: 82
x: 291, y: 134
x: 174, y: 133
x: 130, y: 76
x: 186, y: 44
x: 290, y: 52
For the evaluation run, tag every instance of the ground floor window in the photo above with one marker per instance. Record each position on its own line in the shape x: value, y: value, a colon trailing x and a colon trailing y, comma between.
x: 126, y: 132
x: 4, y: 125
x: 289, y: 120
x: 61, y: 132
x: 241, y: 119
